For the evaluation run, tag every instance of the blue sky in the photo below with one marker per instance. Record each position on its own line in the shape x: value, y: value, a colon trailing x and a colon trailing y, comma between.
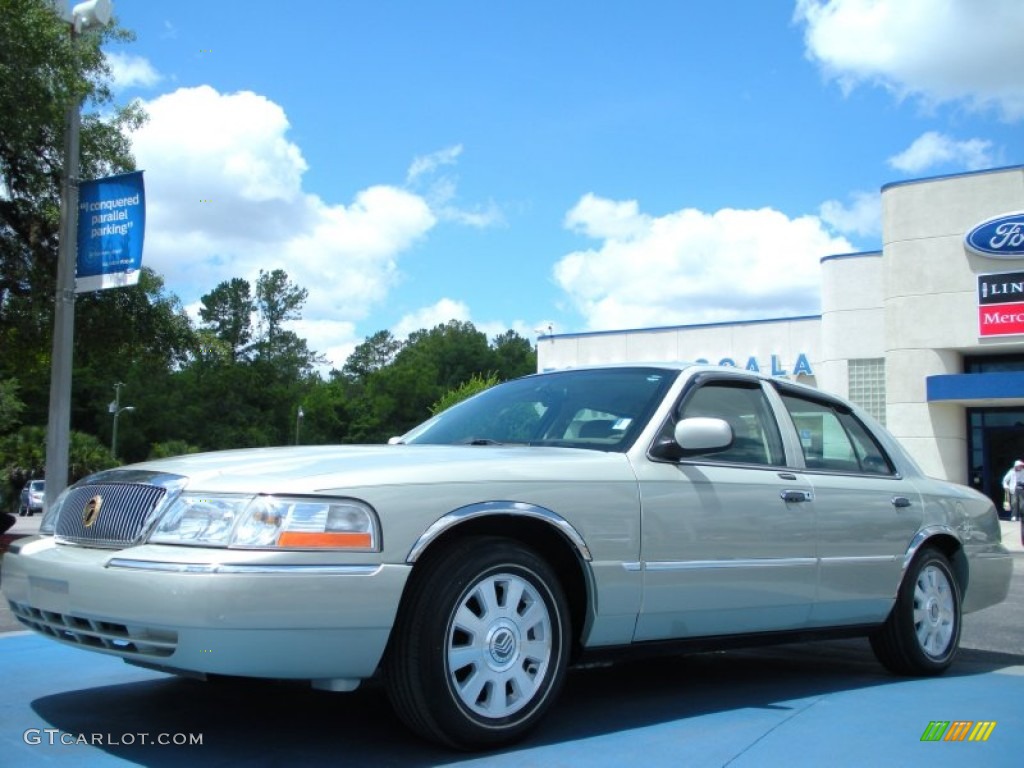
x: 541, y: 164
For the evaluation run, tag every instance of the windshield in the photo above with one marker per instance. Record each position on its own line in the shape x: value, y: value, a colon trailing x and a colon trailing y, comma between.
x: 601, y: 409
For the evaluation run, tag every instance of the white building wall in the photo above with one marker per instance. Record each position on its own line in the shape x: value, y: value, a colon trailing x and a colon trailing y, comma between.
x: 774, y: 346
x: 931, y: 306
x: 852, y: 316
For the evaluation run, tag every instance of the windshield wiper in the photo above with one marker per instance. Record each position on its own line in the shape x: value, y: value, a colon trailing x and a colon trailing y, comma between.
x: 481, y: 441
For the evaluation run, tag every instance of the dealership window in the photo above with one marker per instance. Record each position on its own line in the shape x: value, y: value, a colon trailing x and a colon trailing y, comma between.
x: 866, y: 382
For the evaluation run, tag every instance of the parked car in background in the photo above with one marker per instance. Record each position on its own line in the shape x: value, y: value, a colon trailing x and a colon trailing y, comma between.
x: 543, y: 521
x: 32, y: 496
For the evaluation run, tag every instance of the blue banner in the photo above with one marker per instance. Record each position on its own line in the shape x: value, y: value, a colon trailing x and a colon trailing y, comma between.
x: 111, y: 227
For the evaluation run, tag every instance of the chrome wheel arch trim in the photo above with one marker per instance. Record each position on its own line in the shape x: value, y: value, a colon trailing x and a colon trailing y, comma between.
x: 496, y: 508
x: 925, y: 535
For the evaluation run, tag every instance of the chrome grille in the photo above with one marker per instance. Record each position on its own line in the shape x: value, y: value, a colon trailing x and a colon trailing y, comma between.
x: 123, y: 513
x: 116, y: 638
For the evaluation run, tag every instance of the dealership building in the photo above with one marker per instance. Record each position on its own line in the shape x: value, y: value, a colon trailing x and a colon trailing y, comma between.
x: 927, y: 334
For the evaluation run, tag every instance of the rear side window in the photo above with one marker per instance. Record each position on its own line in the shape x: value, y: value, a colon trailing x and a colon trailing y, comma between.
x: 756, y: 437
x: 833, y: 439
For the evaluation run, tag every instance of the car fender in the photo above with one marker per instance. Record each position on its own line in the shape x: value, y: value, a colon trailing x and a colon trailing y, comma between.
x: 496, y: 508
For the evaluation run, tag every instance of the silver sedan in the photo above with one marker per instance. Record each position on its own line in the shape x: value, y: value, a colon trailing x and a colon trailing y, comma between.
x: 546, y: 520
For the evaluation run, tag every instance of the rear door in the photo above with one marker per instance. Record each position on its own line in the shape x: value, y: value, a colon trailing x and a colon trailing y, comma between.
x: 867, y: 513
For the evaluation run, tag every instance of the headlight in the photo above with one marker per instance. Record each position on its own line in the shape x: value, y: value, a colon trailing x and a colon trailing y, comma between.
x: 276, y: 522
x: 200, y: 519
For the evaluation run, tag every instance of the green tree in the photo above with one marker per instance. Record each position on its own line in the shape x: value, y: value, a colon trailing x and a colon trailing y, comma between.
x: 171, y: 448
x: 87, y: 455
x: 10, y: 405
x: 139, y: 336
x: 376, y: 352
x: 278, y: 300
x: 514, y: 356
x: 474, y: 386
x: 22, y: 457
x: 227, y: 311
x: 42, y: 72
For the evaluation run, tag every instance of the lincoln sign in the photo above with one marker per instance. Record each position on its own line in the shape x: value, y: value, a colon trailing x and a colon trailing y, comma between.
x: 1001, y: 304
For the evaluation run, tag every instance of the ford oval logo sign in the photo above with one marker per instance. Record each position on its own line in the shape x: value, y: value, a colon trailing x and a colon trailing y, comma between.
x: 999, y: 238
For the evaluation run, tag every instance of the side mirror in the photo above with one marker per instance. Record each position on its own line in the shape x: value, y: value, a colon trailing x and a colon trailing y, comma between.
x: 701, y: 434
x: 696, y: 435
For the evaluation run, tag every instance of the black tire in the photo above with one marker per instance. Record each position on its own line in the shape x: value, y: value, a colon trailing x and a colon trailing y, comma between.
x: 922, y: 634
x: 481, y: 644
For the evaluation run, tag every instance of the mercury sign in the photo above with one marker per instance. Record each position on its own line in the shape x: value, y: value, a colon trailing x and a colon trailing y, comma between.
x: 1001, y: 304
x: 1001, y: 237
x: 111, y: 227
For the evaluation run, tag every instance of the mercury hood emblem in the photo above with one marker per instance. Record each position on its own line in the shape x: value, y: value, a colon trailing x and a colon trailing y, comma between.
x: 91, y: 512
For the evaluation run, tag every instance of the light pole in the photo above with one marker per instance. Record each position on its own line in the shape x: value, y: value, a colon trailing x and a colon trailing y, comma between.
x: 83, y: 16
x: 298, y: 423
x: 116, y: 409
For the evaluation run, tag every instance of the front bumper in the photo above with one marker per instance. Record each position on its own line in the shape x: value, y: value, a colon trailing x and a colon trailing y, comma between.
x: 207, y: 611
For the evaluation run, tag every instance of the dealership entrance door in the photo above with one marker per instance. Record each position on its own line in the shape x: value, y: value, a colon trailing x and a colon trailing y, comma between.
x: 995, y: 436
x: 996, y: 441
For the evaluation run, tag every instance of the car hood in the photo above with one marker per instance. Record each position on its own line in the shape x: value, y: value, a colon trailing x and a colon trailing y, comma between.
x: 321, y: 468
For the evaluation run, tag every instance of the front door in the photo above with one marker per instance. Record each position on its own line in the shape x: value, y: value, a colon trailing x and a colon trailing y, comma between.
x: 728, y: 538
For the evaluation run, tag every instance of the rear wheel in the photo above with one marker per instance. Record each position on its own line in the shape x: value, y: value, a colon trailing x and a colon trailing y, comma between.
x: 922, y: 634
x: 480, y: 648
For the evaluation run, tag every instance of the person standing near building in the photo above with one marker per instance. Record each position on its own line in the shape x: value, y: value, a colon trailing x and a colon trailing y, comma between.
x: 1013, y: 484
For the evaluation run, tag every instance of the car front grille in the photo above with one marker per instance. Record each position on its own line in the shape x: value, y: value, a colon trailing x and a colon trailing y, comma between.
x: 122, y: 639
x: 107, y: 514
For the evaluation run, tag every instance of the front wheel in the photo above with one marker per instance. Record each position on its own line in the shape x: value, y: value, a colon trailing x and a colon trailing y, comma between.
x: 922, y: 634
x: 480, y: 647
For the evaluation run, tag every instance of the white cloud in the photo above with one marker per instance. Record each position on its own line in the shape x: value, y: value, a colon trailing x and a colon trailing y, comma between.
x: 130, y: 71
x: 225, y: 199
x: 441, y: 190
x: 426, y: 164
x: 862, y: 217
x: 690, y: 267
x: 429, y: 317
x: 334, y: 339
x: 481, y: 216
x: 932, y: 149
x: 599, y: 218
x: 965, y: 51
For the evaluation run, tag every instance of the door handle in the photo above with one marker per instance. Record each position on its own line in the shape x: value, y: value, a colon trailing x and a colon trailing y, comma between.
x: 900, y: 502
x: 796, y: 496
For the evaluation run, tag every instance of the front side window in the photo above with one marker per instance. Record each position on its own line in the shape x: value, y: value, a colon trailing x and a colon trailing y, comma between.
x: 833, y: 439
x: 756, y: 438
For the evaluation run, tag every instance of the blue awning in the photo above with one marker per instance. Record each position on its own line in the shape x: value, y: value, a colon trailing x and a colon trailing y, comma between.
x: 977, y: 389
